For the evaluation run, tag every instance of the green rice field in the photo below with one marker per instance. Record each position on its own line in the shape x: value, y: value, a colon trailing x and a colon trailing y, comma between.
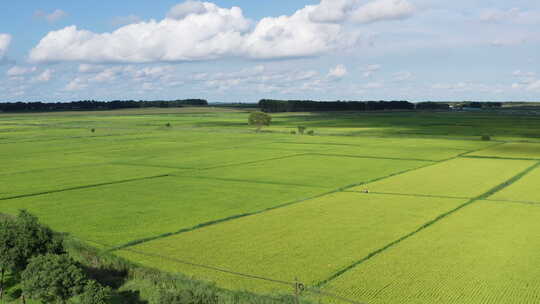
x: 382, y: 207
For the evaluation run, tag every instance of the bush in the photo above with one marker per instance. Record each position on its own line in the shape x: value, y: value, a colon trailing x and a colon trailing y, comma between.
x: 93, y: 130
x: 293, y: 132
x: 486, y: 137
x: 301, y: 129
x: 311, y: 132
x: 168, y: 125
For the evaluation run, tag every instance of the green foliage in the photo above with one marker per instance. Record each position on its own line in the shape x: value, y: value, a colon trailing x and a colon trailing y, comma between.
x: 293, y: 132
x: 259, y: 119
x: 93, y: 130
x: 93, y: 293
x: 311, y: 132
x: 8, y: 253
x: 52, y: 279
x: 168, y: 125
x: 32, y: 239
x: 187, y: 296
x: 486, y: 137
x: 301, y: 130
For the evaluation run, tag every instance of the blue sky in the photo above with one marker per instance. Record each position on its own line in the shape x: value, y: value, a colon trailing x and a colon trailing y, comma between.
x: 245, y: 50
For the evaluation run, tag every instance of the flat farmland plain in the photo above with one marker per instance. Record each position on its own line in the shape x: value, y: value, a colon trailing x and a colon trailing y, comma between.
x: 484, y: 254
x: 447, y: 218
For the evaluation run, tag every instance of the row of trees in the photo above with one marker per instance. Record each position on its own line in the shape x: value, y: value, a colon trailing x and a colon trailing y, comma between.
x: 270, y: 105
x: 97, y: 105
x: 35, y: 257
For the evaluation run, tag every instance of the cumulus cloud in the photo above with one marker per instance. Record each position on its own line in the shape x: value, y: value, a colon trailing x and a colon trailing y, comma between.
x: 361, y: 12
x: 125, y: 20
x: 52, y: 16
x: 215, y: 33
x: 182, y: 10
x: 5, y: 41
x: 338, y: 72
x: 195, y: 30
x: 380, y: 10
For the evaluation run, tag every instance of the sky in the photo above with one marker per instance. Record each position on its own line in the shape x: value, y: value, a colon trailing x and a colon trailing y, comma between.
x: 246, y: 50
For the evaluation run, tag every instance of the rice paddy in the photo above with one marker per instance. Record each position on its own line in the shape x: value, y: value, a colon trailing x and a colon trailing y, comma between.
x: 377, y: 208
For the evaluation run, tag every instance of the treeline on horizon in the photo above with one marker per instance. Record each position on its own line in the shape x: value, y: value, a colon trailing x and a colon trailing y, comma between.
x: 273, y: 106
x: 88, y: 105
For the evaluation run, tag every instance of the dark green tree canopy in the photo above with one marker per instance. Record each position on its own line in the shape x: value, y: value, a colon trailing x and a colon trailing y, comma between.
x: 52, y: 279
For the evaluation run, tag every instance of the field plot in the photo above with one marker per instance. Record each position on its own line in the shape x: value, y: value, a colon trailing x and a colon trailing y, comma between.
x: 487, y: 253
x: 527, y: 189
x: 315, y: 170
x: 511, y: 150
x: 310, y: 240
x: 40, y: 181
x: 116, y: 214
x: 462, y: 177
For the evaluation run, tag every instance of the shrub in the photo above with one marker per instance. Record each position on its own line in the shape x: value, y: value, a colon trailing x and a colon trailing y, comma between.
x: 486, y: 137
x: 93, y: 130
x: 293, y: 132
x: 301, y: 129
x: 168, y: 125
x: 311, y: 132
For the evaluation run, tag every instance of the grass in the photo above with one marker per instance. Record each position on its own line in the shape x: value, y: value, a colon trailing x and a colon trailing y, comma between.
x: 209, y: 190
x: 314, y: 170
x: 511, y: 150
x: 462, y: 177
x: 481, y: 255
x: 525, y: 189
x: 309, y: 240
x: 120, y: 213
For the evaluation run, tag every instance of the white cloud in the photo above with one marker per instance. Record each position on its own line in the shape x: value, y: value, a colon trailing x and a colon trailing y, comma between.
x: 332, y: 10
x: 125, y: 20
x: 90, y: 68
x: 51, y: 17
x: 337, y: 11
x: 215, y: 33
x: 5, y: 41
x: 20, y: 71
x: 45, y: 76
x: 182, y: 10
x: 196, y: 30
x: 380, y: 10
x: 338, y: 72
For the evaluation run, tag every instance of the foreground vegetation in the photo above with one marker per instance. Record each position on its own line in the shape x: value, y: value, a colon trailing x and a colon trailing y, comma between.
x: 155, y: 203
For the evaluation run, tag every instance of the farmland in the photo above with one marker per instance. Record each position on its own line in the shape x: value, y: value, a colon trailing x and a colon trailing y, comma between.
x: 396, y: 207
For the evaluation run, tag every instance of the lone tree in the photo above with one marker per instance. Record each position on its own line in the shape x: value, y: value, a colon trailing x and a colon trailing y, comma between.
x: 259, y: 119
x: 53, y: 279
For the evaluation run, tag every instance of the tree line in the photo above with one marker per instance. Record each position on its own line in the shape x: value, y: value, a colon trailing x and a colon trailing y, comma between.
x: 272, y: 106
x: 89, y: 105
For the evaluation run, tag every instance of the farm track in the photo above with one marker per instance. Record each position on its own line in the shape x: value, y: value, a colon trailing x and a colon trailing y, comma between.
x: 408, y: 194
x: 84, y: 187
x: 430, y: 223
